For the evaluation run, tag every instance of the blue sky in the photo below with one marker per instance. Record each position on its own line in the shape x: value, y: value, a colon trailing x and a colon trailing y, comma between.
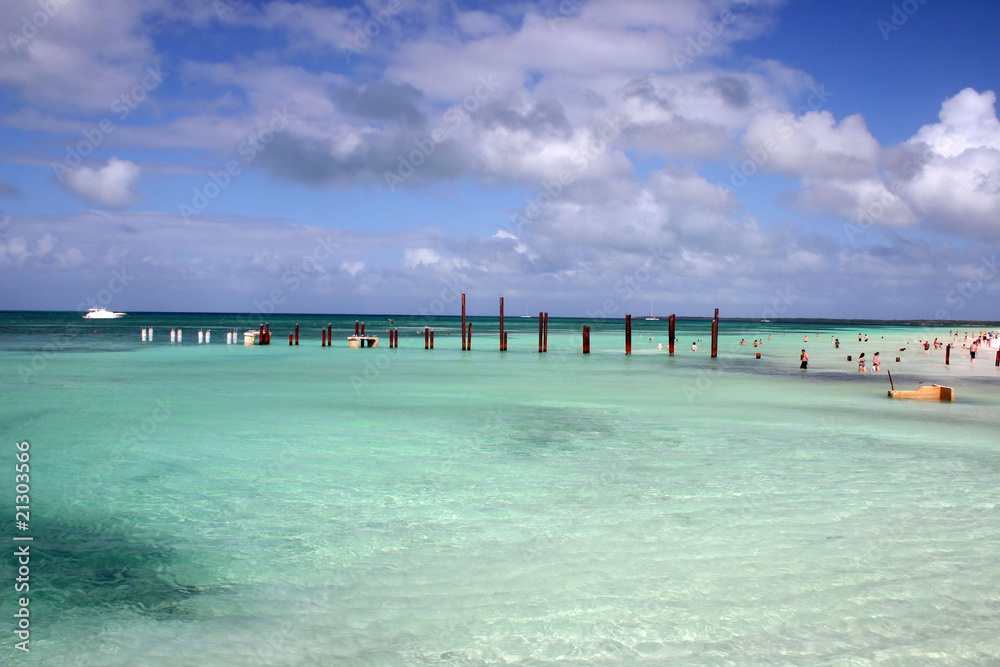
x: 581, y: 156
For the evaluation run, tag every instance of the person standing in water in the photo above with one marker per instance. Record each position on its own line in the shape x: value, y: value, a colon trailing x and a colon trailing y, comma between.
x: 804, y: 358
x: 861, y: 363
x: 876, y: 362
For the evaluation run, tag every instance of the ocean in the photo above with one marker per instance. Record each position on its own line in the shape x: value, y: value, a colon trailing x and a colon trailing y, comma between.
x: 219, y: 504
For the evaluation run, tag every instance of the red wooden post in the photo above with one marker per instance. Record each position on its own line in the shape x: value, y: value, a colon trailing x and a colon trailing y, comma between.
x: 267, y: 333
x: 628, y: 334
x: 715, y: 334
x: 427, y: 338
x: 329, y: 334
x: 463, y: 322
x: 545, y: 337
x: 290, y: 337
x: 432, y: 339
x: 947, y: 354
x: 296, y: 334
x: 998, y: 358
x: 585, y: 339
x: 324, y: 337
x: 541, y: 322
x: 362, y: 328
x: 673, y: 338
x: 501, y: 325
x: 357, y: 328
x: 468, y: 338
x: 504, y: 341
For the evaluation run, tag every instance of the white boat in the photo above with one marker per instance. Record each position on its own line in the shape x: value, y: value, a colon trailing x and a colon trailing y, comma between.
x: 526, y: 315
x: 102, y: 314
x: 651, y: 318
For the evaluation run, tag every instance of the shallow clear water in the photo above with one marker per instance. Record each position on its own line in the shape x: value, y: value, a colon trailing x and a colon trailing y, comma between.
x: 220, y: 504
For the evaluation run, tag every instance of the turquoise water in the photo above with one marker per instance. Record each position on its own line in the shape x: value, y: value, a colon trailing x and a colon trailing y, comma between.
x: 231, y: 505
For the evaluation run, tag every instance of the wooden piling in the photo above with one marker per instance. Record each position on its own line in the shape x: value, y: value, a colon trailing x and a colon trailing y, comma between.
x: 267, y: 332
x: 502, y: 347
x: 323, y: 331
x: 468, y: 338
x: 758, y: 355
x: 291, y: 337
x: 628, y: 334
x: 464, y: 347
x: 586, y: 339
x: 672, y: 325
x: 329, y: 334
x: 432, y: 339
x: 296, y: 334
x: 545, y: 335
x: 998, y: 359
x: 541, y: 323
x: 427, y: 338
x: 947, y: 354
x: 357, y: 328
x: 362, y: 328
x: 715, y: 334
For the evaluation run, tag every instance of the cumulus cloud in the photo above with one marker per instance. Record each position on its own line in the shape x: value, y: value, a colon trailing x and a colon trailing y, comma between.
x: 814, y: 144
x: 951, y: 175
x: 111, y: 185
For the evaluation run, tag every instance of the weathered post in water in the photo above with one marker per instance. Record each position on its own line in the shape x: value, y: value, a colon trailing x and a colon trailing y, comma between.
x: 468, y: 338
x: 715, y: 334
x: 296, y: 334
x: 329, y: 333
x: 427, y: 338
x: 464, y: 346
x: 501, y: 325
x: 947, y: 354
x: 672, y: 322
x: 357, y: 328
x: 432, y: 339
x: 323, y: 331
x: 628, y: 334
x: 541, y: 323
x: 545, y: 336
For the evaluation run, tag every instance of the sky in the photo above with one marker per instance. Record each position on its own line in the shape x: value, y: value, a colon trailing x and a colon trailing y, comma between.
x: 591, y: 158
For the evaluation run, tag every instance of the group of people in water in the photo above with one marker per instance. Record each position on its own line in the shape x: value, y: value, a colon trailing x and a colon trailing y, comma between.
x: 971, y: 343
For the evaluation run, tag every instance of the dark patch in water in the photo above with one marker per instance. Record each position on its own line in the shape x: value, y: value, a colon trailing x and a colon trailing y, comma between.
x: 102, y: 564
x: 530, y: 431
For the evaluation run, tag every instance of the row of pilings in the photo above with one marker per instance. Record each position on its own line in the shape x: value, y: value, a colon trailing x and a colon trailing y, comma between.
x: 263, y: 336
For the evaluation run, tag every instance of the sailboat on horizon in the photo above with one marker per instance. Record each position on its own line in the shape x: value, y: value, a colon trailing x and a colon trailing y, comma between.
x: 526, y: 315
x: 651, y: 318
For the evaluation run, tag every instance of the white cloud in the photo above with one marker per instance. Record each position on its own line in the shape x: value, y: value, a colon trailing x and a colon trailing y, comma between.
x: 414, y: 257
x: 813, y: 144
x: 110, y: 185
x: 952, y: 173
x: 352, y: 268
